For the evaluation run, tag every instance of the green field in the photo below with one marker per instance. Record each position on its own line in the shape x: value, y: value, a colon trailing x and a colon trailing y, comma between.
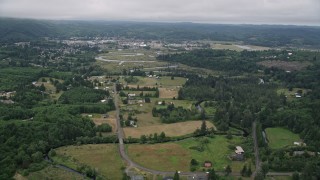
x: 281, y: 137
x: 51, y: 173
x: 177, y: 156
x: 103, y: 157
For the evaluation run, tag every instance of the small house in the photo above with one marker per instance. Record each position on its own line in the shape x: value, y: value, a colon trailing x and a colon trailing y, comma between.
x: 239, y: 154
x: 131, y: 95
x: 298, y: 95
x: 298, y: 153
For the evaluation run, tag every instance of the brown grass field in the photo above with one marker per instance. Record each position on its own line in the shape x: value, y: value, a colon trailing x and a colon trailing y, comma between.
x: 285, y: 65
x: 111, y: 120
x: 171, y: 130
x: 103, y: 157
x: 168, y: 93
x: 157, y: 156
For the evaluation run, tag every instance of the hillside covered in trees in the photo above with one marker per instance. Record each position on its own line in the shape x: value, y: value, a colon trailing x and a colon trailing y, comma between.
x: 263, y: 35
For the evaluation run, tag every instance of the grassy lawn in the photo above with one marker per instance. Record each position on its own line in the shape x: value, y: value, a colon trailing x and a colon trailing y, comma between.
x: 281, y: 137
x: 51, y: 173
x: 103, y: 157
x: 174, y: 129
x: 177, y: 156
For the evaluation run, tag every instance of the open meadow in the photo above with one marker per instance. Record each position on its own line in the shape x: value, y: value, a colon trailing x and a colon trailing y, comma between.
x: 281, y: 137
x: 103, y: 157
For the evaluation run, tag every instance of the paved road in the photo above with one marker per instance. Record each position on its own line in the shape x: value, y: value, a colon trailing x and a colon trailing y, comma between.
x: 256, y: 149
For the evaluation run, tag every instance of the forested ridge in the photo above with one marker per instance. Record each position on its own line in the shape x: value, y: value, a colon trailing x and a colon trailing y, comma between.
x: 263, y: 35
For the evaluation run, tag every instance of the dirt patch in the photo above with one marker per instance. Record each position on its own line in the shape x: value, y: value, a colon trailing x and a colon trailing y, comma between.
x: 285, y: 65
x: 175, y: 129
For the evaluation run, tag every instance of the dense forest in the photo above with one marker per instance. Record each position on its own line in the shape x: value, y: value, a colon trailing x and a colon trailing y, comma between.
x: 264, y: 35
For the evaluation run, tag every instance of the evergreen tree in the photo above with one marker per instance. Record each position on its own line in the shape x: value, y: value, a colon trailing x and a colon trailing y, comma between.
x: 203, y: 128
x: 244, y: 170
x: 228, y: 170
x: 212, y: 175
x: 176, y: 176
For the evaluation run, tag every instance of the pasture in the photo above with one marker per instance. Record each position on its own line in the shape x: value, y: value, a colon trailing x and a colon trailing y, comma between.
x: 280, y: 137
x: 177, y: 156
x: 103, y: 157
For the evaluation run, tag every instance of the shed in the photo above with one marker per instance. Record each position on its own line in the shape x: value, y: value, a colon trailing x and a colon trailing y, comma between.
x: 239, y: 150
x: 207, y: 164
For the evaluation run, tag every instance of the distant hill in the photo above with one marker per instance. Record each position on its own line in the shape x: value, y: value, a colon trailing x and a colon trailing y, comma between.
x: 264, y: 35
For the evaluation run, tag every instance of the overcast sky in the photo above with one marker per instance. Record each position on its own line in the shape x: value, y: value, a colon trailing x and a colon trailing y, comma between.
x: 301, y: 12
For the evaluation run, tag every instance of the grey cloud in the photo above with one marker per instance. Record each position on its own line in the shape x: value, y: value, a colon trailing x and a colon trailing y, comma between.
x: 210, y: 11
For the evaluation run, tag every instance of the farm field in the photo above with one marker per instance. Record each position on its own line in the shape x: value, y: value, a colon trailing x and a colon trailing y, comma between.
x: 50, y: 173
x: 236, y: 47
x: 103, y: 157
x: 171, y: 130
x: 281, y: 137
x: 177, y: 156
